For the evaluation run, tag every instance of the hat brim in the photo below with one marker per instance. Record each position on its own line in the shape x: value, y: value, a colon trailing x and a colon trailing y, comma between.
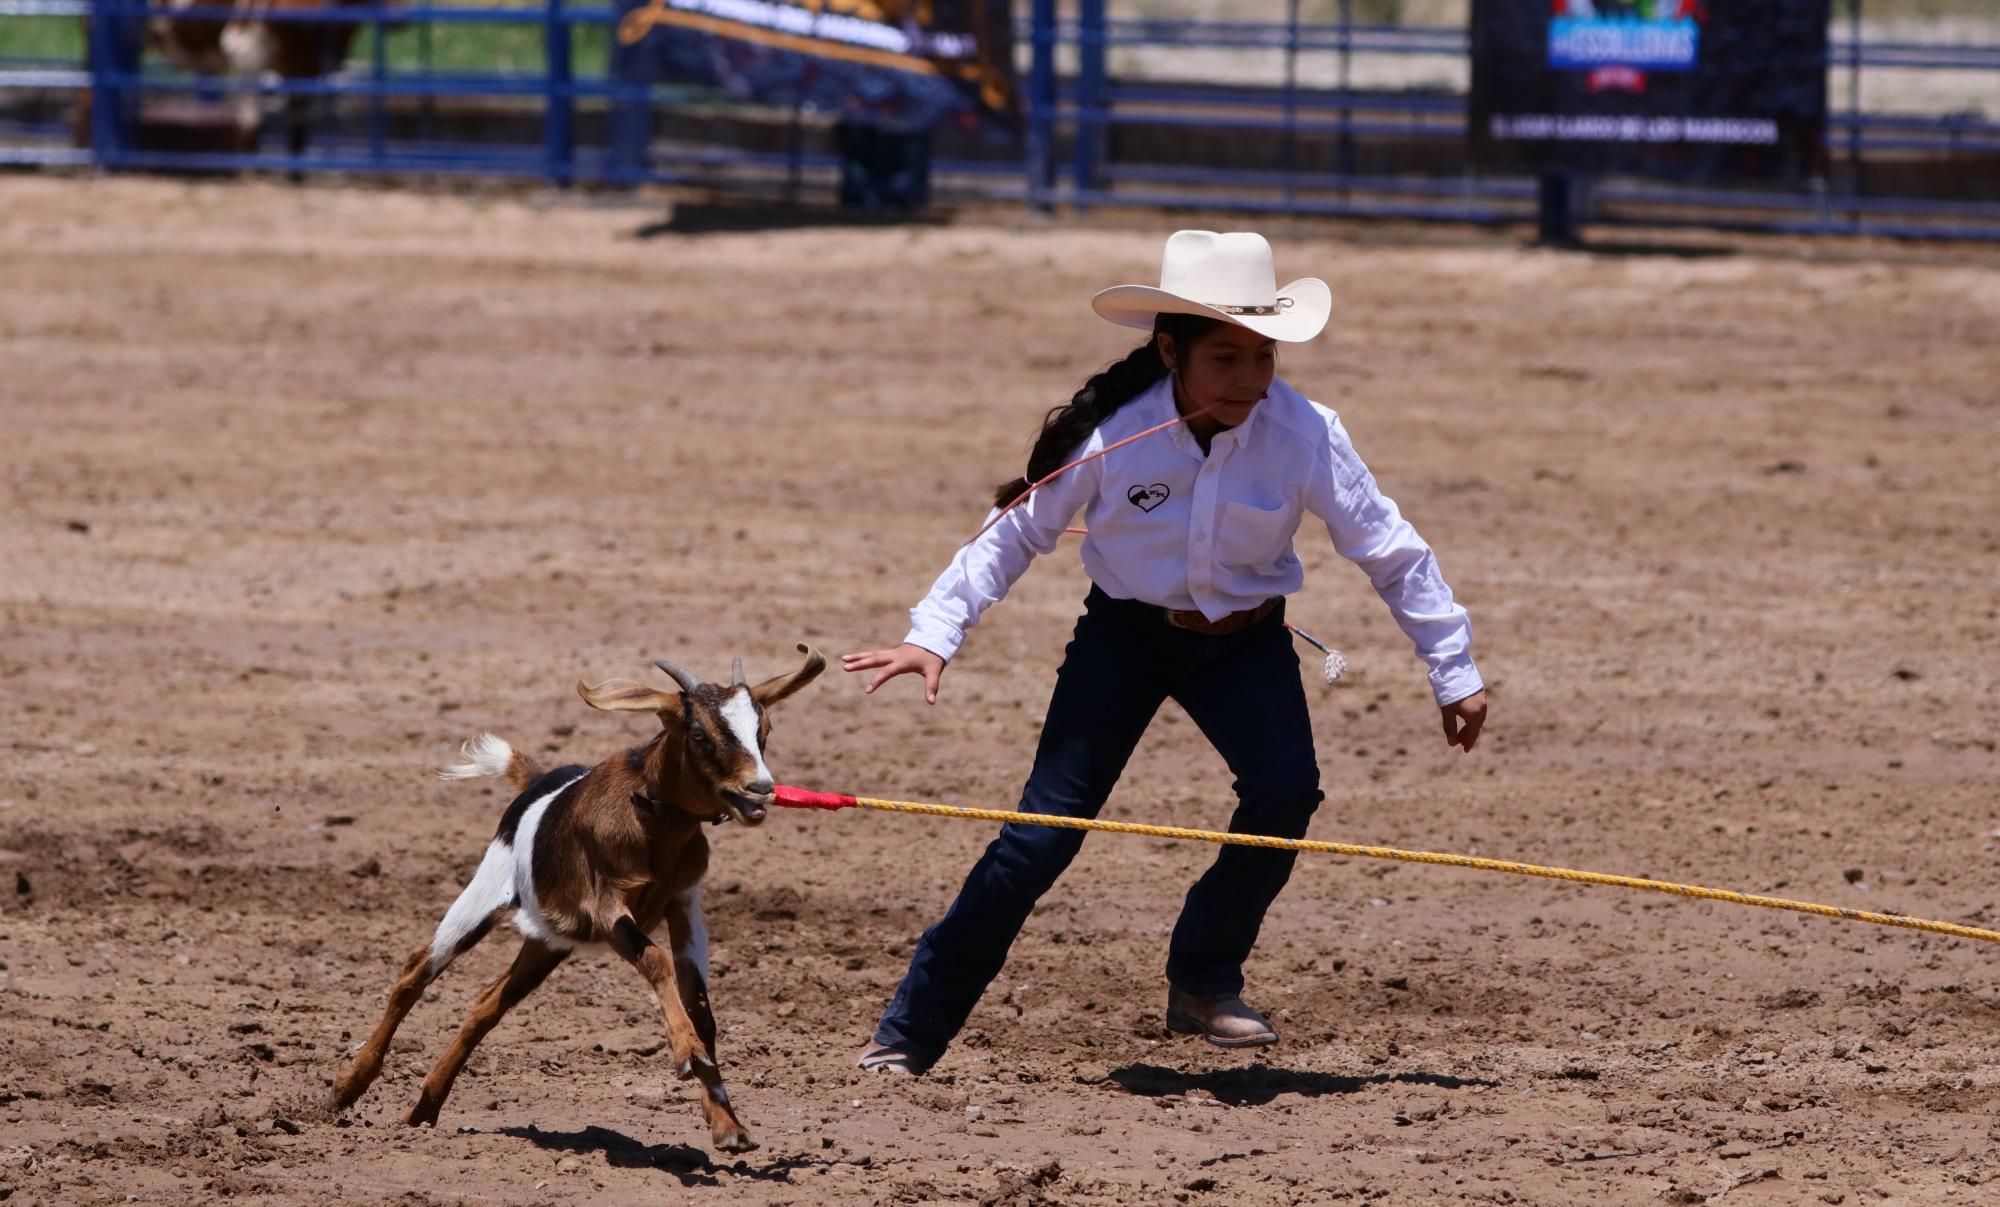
x: 1306, y: 317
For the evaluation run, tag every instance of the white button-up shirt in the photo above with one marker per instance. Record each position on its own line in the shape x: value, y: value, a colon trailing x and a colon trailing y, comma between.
x: 1172, y: 526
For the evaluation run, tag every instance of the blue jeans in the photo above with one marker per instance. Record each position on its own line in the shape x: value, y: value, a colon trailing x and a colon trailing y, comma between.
x: 1243, y: 691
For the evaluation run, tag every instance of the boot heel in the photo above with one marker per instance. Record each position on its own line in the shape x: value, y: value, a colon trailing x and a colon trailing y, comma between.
x: 1182, y: 1024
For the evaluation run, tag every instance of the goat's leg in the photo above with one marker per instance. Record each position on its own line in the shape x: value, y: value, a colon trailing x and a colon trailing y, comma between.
x: 690, y: 939
x: 533, y: 963
x: 423, y: 967
x: 688, y: 1051
x: 368, y: 1061
x: 691, y: 1053
x: 689, y: 935
x: 471, y: 917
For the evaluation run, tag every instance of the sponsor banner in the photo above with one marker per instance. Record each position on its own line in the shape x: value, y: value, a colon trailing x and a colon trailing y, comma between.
x: 1694, y: 89
x: 910, y: 64
x: 1629, y: 42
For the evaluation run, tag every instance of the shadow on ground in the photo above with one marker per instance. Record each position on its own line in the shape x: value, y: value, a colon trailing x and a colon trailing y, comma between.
x: 1632, y: 248
x: 695, y: 218
x: 1260, y: 1083
x: 691, y: 1165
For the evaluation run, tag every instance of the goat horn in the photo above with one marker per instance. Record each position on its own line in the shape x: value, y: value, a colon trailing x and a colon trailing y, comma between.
x: 736, y: 678
x: 688, y: 680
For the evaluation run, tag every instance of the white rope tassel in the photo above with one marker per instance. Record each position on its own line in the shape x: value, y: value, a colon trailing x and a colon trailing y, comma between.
x: 1336, y: 662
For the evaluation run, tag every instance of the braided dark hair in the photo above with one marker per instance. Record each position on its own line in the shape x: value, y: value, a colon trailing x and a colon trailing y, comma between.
x: 1067, y: 426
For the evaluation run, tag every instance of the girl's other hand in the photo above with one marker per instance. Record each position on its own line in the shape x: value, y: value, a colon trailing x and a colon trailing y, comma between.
x: 905, y: 659
x: 1463, y: 719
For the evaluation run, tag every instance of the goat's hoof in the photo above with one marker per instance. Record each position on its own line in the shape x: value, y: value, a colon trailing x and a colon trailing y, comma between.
x: 424, y: 1114
x: 735, y: 1141
x: 349, y: 1089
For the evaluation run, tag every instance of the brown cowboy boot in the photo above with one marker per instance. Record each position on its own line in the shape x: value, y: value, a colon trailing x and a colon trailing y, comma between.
x: 1224, y: 1021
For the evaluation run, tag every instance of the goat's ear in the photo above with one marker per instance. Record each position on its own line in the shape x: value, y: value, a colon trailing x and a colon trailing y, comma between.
x: 770, y: 691
x: 623, y: 695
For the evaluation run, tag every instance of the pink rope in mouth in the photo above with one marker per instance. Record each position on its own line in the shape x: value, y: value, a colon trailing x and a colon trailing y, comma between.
x: 1063, y: 469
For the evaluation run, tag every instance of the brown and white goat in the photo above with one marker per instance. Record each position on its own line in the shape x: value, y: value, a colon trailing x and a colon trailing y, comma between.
x: 602, y: 855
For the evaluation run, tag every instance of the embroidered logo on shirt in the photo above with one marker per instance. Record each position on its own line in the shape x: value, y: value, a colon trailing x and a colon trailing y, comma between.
x: 1145, y: 498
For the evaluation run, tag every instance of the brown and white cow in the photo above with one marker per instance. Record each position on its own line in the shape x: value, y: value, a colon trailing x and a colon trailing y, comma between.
x: 250, y: 48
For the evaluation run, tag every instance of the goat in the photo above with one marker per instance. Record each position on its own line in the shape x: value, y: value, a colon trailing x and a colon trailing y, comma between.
x: 603, y: 855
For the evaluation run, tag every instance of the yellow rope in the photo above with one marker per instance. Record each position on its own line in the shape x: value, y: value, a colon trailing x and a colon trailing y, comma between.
x: 1456, y: 861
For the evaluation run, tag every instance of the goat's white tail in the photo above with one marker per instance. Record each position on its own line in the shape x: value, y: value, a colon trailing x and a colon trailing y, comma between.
x: 483, y: 756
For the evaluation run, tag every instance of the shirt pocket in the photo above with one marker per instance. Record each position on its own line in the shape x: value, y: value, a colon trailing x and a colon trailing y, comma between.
x: 1253, y: 537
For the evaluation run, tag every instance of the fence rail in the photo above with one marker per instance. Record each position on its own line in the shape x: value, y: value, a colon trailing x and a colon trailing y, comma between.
x: 1080, y: 128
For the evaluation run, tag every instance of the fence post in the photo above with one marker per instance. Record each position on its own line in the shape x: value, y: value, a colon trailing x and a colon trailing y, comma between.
x: 427, y: 104
x: 111, y: 69
x: 1854, y: 111
x: 559, y: 125
x: 631, y: 109
x: 1290, y: 150
x: 378, y: 103
x: 1090, y: 51
x: 1041, y: 141
x: 1345, y: 164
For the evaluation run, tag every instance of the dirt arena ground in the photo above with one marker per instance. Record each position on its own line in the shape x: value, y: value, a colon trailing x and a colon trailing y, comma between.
x: 304, y: 485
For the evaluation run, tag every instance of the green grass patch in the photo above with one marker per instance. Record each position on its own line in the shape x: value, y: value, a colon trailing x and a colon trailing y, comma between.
x: 455, y: 46
x: 58, y: 38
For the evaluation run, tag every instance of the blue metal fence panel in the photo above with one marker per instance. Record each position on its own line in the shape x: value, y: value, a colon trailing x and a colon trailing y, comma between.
x: 1071, y: 133
x: 1040, y: 121
x: 559, y: 123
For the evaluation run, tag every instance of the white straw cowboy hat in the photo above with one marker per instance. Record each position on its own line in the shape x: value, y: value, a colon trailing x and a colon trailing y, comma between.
x: 1228, y: 277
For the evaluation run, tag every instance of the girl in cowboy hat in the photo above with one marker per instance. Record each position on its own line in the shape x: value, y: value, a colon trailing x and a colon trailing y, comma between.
x: 1189, y: 550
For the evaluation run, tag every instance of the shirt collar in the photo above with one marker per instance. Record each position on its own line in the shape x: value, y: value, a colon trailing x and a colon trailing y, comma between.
x: 1248, y: 428
x: 1156, y: 406
x: 1160, y: 403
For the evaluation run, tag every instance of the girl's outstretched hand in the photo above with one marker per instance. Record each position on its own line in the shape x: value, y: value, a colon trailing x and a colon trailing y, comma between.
x: 1463, y: 719
x: 905, y: 659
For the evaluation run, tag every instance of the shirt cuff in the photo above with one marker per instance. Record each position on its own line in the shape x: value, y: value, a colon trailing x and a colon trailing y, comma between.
x: 940, y: 639
x: 1456, y: 680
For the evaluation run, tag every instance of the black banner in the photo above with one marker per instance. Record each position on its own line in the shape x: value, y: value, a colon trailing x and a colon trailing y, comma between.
x: 903, y: 64
x: 1693, y: 89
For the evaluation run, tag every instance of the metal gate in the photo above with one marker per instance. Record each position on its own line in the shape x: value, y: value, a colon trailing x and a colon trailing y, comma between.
x: 1298, y: 128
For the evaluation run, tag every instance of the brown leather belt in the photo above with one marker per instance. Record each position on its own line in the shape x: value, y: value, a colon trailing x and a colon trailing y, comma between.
x: 1235, y: 622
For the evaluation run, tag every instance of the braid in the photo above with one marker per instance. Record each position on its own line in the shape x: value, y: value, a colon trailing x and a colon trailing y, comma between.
x: 1067, y: 426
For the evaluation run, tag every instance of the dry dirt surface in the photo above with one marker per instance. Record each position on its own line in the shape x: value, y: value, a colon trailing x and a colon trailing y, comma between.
x: 303, y: 486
